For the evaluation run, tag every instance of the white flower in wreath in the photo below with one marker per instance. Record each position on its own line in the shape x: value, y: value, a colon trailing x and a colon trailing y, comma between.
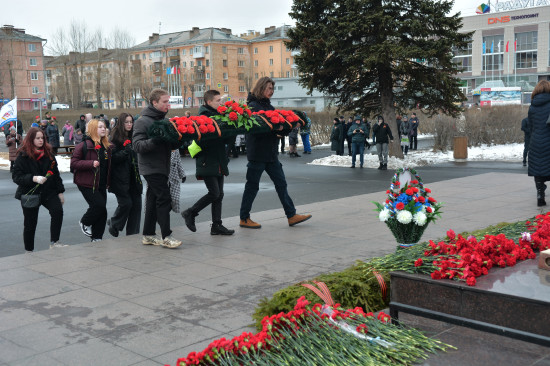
x: 404, y: 217
x: 420, y: 218
x: 384, y: 215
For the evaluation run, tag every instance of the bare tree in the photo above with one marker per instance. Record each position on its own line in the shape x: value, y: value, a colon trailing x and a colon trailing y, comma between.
x: 80, y: 41
x: 121, y: 41
x: 59, y: 46
x: 100, y: 43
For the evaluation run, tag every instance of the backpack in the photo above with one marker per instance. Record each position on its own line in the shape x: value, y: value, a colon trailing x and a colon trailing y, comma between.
x: 84, y: 149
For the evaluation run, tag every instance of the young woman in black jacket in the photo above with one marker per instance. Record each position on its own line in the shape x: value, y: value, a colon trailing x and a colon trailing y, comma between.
x: 35, y: 166
x: 125, y: 180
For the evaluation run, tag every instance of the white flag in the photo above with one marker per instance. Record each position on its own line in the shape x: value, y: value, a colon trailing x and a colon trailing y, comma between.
x: 8, y: 113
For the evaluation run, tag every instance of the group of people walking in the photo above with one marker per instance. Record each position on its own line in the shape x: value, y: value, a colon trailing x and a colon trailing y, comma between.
x: 116, y: 163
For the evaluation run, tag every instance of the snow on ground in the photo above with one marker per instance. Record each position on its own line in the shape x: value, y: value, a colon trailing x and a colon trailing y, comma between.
x: 510, y: 152
x: 63, y: 163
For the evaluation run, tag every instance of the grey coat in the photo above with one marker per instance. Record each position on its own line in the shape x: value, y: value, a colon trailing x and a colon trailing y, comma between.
x: 152, y: 158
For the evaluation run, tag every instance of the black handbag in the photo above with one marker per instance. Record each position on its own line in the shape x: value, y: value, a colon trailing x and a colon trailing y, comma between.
x: 30, y: 200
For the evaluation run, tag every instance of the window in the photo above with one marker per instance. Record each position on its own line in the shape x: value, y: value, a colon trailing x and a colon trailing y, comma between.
x: 191, y: 63
x: 34, y: 76
x: 288, y: 61
x: 271, y: 61
x: 255, y: 50
x: 184, y: 77
x: 226, y: 88
x: 191, y: 51
x: 280, y: 87
x: 183, y: 52
x: 241, y: 76
x: 256, y: 63
x: 155, y: 54
x: 241, y: 89
x: 143, y: 57
x: 280, y: 102
x: 199, y: 62
x: 207, y: 62
x: 207, y: 76
x: 312, y: 102
x: 240, y: 50
x: 35, y: 90
x: 494, y: 52
x: 256, y: 75
x: 150, y: 67
x: 224, y: 63
x: 241, y: 63
x: 224, y: 49
x: 270, y: 49
x: 463, y: 58
x: 526, y: 50
x: 288, y: 74
x: 224, y: 76
x: 206, y: 49
x: 32, y: 61
x: 184, y: 64
x: 198, y: 49
x: 271, y: 74
x: 157, y: 79
x: 32, y: 47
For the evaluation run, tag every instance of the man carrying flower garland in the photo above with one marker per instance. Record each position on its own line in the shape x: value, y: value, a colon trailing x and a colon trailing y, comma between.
x: 154, y: 164
x: 262, y: 156
x: 211, y: 161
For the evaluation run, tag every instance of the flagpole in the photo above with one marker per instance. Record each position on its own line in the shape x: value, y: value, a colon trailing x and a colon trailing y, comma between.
x: 515, y: 79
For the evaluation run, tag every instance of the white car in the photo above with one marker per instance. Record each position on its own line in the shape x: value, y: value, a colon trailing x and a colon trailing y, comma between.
x: 58, y: 106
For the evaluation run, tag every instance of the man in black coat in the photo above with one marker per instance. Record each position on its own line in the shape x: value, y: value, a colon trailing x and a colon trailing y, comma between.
x: 347, y: 125
x: 382, y: 132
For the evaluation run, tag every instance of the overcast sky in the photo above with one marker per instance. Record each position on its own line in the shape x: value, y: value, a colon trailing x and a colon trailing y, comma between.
x: 141, y: 17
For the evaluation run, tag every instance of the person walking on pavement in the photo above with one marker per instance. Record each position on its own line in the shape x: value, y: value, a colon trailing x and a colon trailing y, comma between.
x: 91, y: 166
x: 154, y: 164
x: 539, y: 142
x: 212, y: 167
x: 34, y: 166
x: 413, y: 135
x: 405, y: 131
x: 305, y: 131
x: 262, y: 156
x: 336, y: 137
x: 68, y: 134
x: 526, y: 138
x: 52, y: 133
x: 13, y: 140
x: 126, y: 183
x: 357, y: 134
x: 381, y: 131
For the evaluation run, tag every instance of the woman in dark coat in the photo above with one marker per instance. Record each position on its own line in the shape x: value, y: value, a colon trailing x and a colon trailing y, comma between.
x: 34, y: 160
x: 91, y: 168
x: 125, y: 180
x: 211, y: 163
x: 539, y: 145
x: 337, y: 137
x: 52, y: 132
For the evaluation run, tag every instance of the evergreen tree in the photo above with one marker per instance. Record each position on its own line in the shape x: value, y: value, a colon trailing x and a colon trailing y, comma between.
x: 376, y: 56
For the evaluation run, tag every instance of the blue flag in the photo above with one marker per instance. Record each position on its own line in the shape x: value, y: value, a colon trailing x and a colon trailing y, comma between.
x: 168, y: 71
x: 492, y: 44
x: 483, y: 48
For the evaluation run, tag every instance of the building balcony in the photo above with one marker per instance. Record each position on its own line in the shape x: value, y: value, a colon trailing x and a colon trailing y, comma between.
x: 295, y: 53
x: 198, y: 55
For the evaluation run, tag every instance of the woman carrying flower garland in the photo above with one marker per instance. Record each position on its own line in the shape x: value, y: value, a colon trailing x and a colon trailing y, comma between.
x: 92, y: 168
x: 212, y: 168
x: 262, y: 156
x: 125, y: 180
x: 35, y: 171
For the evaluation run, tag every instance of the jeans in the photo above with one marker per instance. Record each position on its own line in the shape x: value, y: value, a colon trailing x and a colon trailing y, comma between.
x: 305, y: 141
x: 128, y: 212
x: 214, y: 197
x: 158, y: 205
x: 96, y: 215
x: 357, y: 148
x: 53, y: 204
x: 253, y: 174
x: 382, y: 149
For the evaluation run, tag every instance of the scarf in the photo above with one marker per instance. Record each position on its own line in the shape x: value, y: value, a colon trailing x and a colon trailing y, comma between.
x: 38, y: 154
x: 70, y: 129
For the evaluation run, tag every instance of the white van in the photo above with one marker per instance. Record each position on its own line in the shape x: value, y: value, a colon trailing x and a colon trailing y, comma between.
x: 57, y: 106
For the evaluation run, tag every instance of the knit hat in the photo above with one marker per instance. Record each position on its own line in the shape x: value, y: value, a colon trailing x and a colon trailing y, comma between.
x: 357, y: 118
x: 34, y: 124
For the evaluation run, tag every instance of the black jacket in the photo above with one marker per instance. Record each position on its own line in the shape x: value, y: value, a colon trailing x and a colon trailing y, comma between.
x: 153, y: 158
x: 525, y: 128
x: 212, y: 160
x: 25, y: 168
x: 124, y: 170
x: 382, y: 132
x: 539, y: 143
x: 53, y: 134
x: 262, y: 147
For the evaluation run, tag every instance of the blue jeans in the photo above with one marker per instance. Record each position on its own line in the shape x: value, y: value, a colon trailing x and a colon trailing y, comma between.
x: 253, y: 175
x: 305, y: 141
x: 357, y: 148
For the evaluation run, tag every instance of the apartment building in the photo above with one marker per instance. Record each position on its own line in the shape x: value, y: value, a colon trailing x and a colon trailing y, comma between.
x: 270, y: 56
x: 22, y: 73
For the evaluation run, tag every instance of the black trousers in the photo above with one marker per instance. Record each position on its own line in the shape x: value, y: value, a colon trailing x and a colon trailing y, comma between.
x: 158, y: 205
x: 413, y: 144
x: 54, y: 206
x: 214, y: 197
x: 96, y: 215
x: 525, y: 150
x: 128, y: 212
x: 348, y: 139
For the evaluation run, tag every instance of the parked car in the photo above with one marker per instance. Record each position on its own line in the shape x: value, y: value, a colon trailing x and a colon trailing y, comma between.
x: 57, y: 106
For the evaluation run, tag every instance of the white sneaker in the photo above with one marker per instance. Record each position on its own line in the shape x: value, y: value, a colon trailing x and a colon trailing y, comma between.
x: 151, y: 240
x: 86, y: 230
x: 56, y: 244
x: 171, y: 242
x: 96, y: 240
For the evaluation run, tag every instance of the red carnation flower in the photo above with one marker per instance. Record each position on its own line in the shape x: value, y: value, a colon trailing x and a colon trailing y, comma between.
x: 126, y: 142
x: 429, y: 210
x: 471, y: 281
x: 233, y: 116
x: 203, y: 129
x: 362, y: 328
x: 98, y: 146
x: 418, y: 262
x: 400, y: 206
x: 432, y: 200
x: 190, y: 129
x: 210, y: 128
x: 221, y: 109
x: 428, y: 190
x: 182, y: 129
x: 49, y: 173
x: 228, y: 103
x: 248, y: 112
x: 409, y: 192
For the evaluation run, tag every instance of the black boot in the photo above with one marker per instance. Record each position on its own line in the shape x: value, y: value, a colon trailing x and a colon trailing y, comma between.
x: 384, y: 166
x: 380, y: 166
x: 219, y: 229
x: 189, y: 218
x: 541, y: 187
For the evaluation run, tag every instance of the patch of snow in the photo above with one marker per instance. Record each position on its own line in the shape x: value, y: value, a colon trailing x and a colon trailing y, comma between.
x: 63, y: 164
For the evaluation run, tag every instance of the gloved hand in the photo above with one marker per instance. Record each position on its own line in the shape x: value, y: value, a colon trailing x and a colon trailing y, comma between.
x: 39, y: 179
x: 157, y: 140
x: 128, y: 148
x: 183, y: 179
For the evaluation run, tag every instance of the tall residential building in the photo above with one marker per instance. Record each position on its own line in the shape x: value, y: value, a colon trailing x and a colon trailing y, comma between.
x: 270, y: 56
x: 21, y: 68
